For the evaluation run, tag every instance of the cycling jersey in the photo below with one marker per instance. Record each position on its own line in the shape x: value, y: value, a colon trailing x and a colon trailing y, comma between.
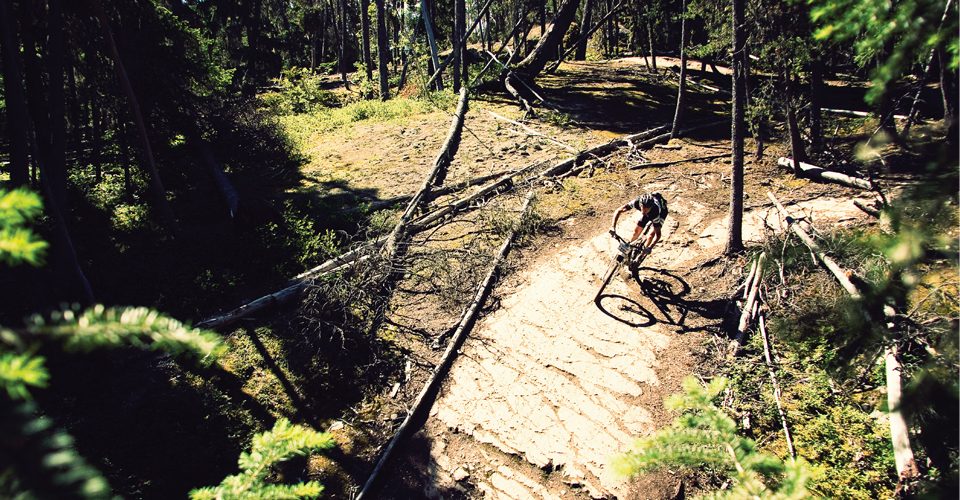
x: 657, y: 208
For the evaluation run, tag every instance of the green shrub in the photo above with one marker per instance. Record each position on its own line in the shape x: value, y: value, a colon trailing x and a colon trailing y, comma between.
x: 298, y: 90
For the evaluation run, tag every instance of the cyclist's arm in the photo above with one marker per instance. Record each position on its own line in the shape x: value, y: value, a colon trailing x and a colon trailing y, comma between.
x: 616, y: 216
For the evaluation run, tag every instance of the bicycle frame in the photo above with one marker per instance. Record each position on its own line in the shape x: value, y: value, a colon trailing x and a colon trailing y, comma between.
x: 630, y: 256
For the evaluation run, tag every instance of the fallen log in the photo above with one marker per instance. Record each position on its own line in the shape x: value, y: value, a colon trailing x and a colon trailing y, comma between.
x: 674, y: 162
x: 435, y: 177
x: 899, y: 430
x: 868, y: 210
x: 776, y: 386
x: 815, y: 172
x: 856, y: 114
x: 752, y: 295
x: 424, y: 402
x: 524, y: 104
x: 460, y: 186
x: 608, y: 147
x: 647, y: 138
x: 825, y: 259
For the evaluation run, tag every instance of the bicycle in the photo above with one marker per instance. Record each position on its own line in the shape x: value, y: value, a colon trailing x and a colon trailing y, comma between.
x: 632, y: 253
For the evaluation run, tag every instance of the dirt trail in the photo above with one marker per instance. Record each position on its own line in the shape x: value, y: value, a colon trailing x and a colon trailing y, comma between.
x: 565, y: 385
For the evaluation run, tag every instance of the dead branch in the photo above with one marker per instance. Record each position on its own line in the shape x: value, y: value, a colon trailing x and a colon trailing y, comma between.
x: 856, y: 114
x: 749, y: 307
x: 425, y: 400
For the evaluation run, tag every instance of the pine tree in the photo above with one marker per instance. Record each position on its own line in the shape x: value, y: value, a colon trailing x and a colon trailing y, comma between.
x: 704, y: 436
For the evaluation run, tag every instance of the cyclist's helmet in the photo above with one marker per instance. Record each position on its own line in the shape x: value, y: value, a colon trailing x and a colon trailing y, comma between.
x: 646, y: 200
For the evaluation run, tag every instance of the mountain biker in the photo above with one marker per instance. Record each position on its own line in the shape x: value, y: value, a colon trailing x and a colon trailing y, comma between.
x: 654, y: 209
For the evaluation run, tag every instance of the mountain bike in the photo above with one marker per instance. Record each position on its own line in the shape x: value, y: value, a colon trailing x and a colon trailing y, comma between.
x: 633, y: 254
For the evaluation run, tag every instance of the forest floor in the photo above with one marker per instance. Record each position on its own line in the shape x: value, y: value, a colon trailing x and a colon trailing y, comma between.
x: 549, y: 386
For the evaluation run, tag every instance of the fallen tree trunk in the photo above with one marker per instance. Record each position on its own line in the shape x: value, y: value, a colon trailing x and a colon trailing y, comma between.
x: 899, y: 430
x: 857, y: 114
x: 460, y: 186
x: 751, y: 292
x: 435, y: 177
x: 868, y: 210
x: 815, y: 172
x: 674, y: 162
x: 424, y: 402
x: 606, y: 148
x: 524, y: 104
x: 827, y: 261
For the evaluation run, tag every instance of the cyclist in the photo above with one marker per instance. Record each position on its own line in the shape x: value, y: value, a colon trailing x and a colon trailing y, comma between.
x: 654, y: 209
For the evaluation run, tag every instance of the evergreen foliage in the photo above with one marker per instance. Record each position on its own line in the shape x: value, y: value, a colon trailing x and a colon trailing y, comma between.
x: 898, y: 34
x: 704, y: 436
x: 269, y: 449
x: 19, y: 244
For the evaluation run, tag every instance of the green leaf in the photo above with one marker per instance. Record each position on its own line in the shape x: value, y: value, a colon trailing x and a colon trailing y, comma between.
x: 18, y: 371
x: 142, y: 327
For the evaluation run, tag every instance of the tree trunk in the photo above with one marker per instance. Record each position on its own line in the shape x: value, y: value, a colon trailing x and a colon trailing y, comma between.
x: 796, y: 142
x: 383, y: 50
x: 96, y: 143
x: 456, y: 35
x: 581, y: 52
x: 653, y: 55
x: 35, y: 92
x: 56, y: 157
x: 15, y: 98
x: 534, y: 63
x: 343, y: 44
x: 75, y: 127
x: 425, y: 12
x: 156, y: 184
x: 735, y: 237
x: 678, y: 113
x: 948, y: 89
x: 612, y: 27
x: 365, y: 40
x: 816, y: 91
